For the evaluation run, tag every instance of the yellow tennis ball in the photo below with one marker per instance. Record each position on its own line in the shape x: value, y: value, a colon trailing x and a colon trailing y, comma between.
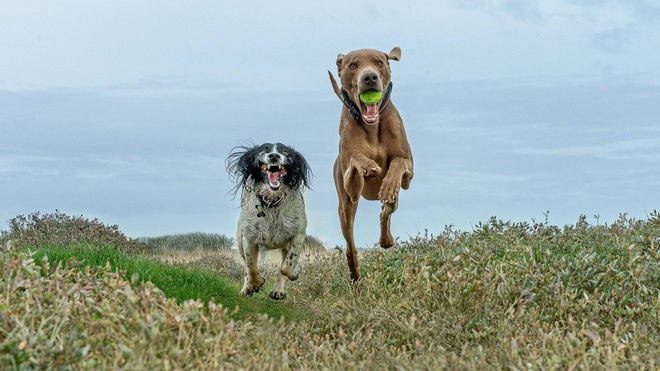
x: 371, y: 97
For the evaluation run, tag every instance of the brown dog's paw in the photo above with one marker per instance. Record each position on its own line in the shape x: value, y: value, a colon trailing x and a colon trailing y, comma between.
x: 389, y: 191
x: 357, y: 286
x: 367, y: 167
x: 371, y: 171
x: 386, y: 240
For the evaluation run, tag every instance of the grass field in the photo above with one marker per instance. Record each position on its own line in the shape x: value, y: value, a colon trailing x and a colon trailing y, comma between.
x: 502, y: 296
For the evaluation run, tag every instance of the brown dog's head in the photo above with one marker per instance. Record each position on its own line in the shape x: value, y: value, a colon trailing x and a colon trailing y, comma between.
x: 366, y: 69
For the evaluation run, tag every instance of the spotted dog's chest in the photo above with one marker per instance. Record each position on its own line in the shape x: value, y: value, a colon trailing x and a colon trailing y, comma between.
x: 273, y: 226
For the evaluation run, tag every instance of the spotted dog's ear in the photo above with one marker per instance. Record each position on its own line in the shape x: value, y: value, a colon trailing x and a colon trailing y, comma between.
x: 301, y: 173
x: 242, y: 164
x: 395, y: 54
x: 249, y: 165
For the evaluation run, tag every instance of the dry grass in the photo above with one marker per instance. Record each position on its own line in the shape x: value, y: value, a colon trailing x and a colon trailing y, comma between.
x: 504, y: 296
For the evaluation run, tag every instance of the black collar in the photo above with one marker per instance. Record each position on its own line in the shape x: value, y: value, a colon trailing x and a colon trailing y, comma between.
x: 265, y: 203
x: 355, y: 110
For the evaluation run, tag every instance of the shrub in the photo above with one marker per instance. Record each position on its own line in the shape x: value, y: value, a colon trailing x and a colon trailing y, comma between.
x: 41, y: 230
x: 313, y: 244
x: 188, y: 242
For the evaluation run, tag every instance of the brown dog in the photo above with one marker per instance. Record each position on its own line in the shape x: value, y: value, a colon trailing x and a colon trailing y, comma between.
x: 374, y: 160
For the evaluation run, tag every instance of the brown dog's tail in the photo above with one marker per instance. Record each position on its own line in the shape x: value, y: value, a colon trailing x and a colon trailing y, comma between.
x: 335, y: 87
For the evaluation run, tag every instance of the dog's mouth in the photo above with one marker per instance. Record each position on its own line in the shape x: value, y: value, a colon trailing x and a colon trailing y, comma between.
x: 274, y: 173
x: 370, y: 113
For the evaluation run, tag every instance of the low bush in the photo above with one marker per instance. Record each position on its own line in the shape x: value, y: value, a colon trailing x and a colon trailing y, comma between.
x: 187, y: 242
x: 39, y: 230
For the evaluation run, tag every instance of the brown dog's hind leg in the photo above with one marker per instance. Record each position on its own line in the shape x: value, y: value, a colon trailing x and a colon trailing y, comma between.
x: 347, y: 210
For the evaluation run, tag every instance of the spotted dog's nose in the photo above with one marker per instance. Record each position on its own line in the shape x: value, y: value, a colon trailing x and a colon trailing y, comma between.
x: 274, y: 158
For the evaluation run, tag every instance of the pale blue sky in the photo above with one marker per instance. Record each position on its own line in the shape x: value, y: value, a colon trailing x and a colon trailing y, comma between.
x: 125, y: 110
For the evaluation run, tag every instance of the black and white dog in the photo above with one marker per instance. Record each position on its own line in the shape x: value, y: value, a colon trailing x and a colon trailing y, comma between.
x: 272, y: 178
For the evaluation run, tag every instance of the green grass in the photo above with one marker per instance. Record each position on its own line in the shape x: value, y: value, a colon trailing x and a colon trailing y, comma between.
x: 175, y: 280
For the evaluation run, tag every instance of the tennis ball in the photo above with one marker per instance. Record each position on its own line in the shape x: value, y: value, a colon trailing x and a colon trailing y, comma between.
x: 371, y: 97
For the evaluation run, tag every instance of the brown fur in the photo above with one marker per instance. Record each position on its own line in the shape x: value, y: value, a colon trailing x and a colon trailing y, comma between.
x: 375, y: 160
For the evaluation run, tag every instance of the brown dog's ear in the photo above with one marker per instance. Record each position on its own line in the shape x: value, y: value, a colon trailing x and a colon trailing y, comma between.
x: 395, y: 54
x: 340, y: 59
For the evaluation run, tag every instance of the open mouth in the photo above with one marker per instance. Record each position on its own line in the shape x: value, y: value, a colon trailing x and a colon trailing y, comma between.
x: 274, y: 173
x: 370, y: 113
x: 370, y: 102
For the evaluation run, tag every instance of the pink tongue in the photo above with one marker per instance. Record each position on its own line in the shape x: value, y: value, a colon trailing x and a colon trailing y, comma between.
x: 372, y: 111
x: 273, y: 178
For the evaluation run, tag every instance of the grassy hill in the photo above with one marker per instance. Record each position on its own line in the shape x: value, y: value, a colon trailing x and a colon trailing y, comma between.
x: 505, y: 295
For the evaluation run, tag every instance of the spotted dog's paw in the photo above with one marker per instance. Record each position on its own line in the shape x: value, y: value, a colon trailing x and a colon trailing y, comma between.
x: 277, y: 295
x: 250, y: 288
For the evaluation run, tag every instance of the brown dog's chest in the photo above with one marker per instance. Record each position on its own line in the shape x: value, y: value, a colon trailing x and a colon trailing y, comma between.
x: 377, y: 142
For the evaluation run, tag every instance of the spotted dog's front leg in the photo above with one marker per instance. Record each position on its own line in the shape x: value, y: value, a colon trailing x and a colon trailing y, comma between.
x: 253, y: 281
x: 290, y: 268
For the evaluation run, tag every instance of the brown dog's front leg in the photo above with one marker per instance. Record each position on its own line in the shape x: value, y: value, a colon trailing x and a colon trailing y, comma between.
x: 387, y: 209
x: 359, y: 167
x: 398, y: 175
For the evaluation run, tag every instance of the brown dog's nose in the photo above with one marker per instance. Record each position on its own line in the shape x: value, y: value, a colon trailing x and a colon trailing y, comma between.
x: 370, y: 78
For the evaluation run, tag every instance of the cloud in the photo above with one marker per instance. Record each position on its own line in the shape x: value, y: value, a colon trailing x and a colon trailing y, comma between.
x: 635, y: 149
x: 522, y: 9
x: 614, y: 40
x: 12, y: 164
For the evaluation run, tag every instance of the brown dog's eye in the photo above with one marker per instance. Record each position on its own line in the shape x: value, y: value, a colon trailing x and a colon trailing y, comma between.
x: 353, y: 66
x: 379, y: 63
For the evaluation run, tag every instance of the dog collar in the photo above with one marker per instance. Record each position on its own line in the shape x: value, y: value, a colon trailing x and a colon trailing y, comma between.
x: 265, y: 203
x: 355, y: 110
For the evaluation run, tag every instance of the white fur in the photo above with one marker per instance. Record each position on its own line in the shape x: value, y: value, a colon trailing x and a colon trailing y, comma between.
x: 281, y: 227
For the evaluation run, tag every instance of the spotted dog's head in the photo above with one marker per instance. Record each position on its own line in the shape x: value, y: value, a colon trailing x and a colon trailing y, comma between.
x: 269, y: 167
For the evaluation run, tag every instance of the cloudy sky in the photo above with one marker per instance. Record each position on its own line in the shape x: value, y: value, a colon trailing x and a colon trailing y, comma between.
x: 125, y: 110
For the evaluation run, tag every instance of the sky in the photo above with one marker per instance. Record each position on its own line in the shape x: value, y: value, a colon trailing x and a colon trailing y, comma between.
x: 126, y: 110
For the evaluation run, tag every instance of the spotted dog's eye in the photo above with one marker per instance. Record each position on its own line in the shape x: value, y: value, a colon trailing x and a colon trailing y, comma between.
x: 285, y: 153
x: 262, y: 153
x: 352, y: 66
